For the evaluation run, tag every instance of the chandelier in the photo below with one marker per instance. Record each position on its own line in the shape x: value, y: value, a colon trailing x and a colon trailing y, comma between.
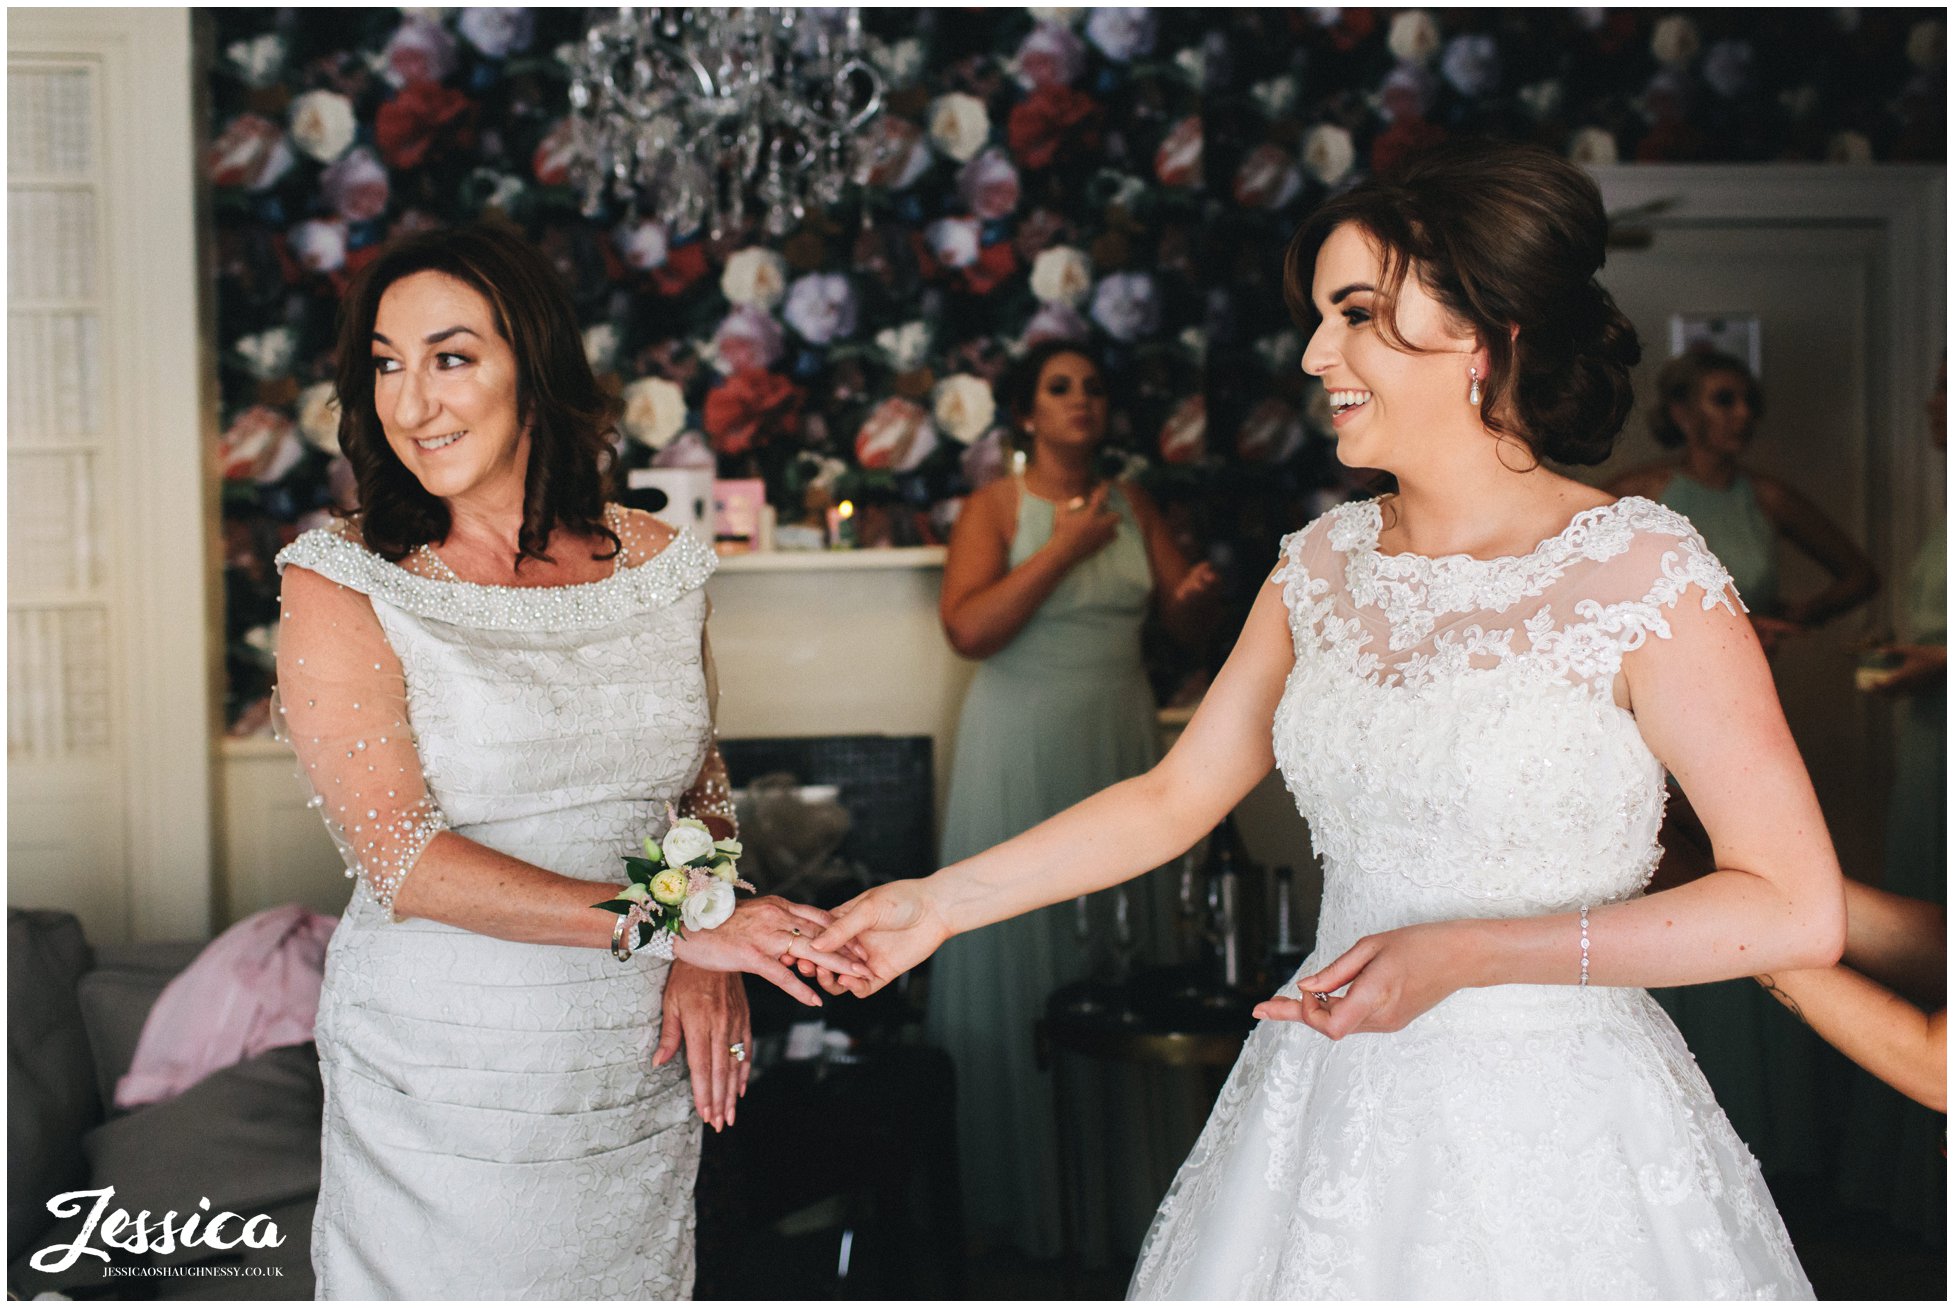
x: 709, y: 116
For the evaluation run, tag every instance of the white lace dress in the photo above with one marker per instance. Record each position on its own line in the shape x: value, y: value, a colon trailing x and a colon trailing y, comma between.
x: 492, y: 1127
x: 1449, y: 730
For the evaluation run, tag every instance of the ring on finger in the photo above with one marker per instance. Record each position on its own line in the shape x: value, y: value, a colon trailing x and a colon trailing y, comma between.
x: 738, y: 1050
x: 1322, y: 996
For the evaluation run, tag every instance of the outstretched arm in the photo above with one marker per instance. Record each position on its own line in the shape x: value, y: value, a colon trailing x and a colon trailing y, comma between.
x: 1113, y: 836
x: 343, y: 706
x: 1704, y: 703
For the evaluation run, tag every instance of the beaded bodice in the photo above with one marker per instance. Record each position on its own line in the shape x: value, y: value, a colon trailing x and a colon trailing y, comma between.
x: 1450, y: 728
x: 550, y: 723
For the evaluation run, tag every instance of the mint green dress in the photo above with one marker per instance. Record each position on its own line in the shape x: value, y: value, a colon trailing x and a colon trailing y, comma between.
x: 1763, y: 1064
x: 1893, y: 1159
x: 1060, y: 713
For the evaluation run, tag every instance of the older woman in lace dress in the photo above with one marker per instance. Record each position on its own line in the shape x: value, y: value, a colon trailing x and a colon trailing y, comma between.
x: 496, y: 683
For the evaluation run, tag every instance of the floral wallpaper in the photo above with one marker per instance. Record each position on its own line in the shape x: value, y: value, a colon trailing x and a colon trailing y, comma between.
x: 1122, y: 176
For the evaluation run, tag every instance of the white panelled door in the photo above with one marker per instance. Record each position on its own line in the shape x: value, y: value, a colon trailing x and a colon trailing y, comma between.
x: 108, y: 675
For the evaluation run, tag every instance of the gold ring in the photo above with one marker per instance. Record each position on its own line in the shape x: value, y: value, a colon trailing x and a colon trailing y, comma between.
x: 795, y: 930
x: 738, y: 1050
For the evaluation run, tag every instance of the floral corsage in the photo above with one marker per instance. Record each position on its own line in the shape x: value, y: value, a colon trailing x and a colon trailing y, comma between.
x: 684, y: 882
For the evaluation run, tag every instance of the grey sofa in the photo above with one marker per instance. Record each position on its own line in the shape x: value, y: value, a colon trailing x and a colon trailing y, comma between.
x: 246, y: 1137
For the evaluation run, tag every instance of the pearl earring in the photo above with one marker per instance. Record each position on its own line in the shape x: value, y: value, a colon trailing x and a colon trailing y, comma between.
x: 1472, y: 394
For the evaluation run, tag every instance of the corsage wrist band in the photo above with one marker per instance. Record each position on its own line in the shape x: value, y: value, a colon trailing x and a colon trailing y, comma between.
x: 684, y: 882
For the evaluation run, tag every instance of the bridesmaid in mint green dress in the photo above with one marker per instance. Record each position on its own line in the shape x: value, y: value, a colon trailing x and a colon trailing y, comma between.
x: 1762, y: 1064
x: 1050, y: 575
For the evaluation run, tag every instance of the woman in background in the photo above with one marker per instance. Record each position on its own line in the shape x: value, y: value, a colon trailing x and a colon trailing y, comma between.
x: 1051, y: 572
x: 1708, y: 405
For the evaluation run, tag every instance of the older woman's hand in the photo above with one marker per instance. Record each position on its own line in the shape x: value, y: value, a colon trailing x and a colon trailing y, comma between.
x: 706, y: 1014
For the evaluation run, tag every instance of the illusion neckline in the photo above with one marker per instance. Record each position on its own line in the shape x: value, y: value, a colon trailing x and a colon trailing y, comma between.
x: 1374, y: 525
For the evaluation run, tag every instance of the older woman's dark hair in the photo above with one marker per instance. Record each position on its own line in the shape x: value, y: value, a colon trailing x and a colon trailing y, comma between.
x: 1678, y: 381
x: 1021, y: 383
x: 569, y: 416
x: 1507, y: 238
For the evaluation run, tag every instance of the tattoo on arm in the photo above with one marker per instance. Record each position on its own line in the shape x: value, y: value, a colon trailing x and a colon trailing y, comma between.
x: 1771, y: 985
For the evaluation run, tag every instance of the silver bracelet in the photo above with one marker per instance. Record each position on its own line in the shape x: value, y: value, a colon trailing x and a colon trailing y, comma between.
x: 620, y: 950
x: 1584, y: 944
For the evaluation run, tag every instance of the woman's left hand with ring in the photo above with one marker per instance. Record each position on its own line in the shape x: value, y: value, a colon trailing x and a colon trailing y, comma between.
x: 706, y: 1012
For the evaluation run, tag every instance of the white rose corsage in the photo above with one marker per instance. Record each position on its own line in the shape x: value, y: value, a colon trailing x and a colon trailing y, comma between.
x: 684, y: 882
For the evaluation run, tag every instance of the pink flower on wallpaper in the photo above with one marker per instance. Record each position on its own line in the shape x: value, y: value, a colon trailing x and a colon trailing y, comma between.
x: 893, y: 154
x: 643, y: 245
x: 954, y: 242
x: 1267, y: 179
x: 1178, y: 160
x: 420, y: 50
x: 988, y: 185
x: 1052, y: 55
x: 1056, y: 322
x: 250, y: 152
x: 356, y: 187
x: 1052, y: 124
x: 821, y: 308
x: 319, y: 245
x: 555, y: 153
x: 748, y: 339
x: 1272, y: 433
x: 897, y: 435
x: 256, y: 443
x: 1184, y: 436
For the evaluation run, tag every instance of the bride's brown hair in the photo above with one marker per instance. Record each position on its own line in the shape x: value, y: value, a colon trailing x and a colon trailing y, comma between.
x: 569, y: 415
x: 1508, y: 239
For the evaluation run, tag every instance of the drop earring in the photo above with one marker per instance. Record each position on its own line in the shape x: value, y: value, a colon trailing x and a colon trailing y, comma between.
x: 1472, y: 393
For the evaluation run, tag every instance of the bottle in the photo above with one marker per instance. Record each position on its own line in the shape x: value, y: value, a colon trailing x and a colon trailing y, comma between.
x: 1225, y: 863
x: 1286, y: 951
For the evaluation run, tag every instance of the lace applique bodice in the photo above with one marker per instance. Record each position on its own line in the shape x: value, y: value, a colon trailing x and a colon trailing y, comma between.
x: 1450, y: 729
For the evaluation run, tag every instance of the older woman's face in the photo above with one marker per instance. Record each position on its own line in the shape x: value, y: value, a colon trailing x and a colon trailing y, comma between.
x: 1718, y: 415
x: 444, y: 384
x: 1069, y: 406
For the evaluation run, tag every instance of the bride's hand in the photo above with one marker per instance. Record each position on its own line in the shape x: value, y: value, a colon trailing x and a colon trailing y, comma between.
x: 760, y: 935
x: 895, y: 926
x: 1393, y: 977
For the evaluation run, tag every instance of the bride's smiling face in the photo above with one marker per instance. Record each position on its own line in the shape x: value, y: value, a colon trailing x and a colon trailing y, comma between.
x: 1389, y: 404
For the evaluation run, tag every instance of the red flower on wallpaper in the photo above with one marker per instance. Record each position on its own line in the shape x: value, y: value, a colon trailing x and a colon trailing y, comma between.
x: 425, y: 118
x: 752, y: 407
x: 994, y: 264
x: 1405, y: 137
x: 685, y: 265
x: 1053, y: 123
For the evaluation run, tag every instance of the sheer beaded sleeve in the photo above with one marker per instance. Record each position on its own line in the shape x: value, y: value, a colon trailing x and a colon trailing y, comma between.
x: 341, y: 703
x: 710, y: 794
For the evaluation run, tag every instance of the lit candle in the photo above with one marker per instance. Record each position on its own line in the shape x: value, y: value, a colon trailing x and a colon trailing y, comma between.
x: 841, y: 527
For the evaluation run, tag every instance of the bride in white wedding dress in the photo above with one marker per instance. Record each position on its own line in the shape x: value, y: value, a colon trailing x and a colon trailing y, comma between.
x: 495, y: 684
x: 1473, y: 686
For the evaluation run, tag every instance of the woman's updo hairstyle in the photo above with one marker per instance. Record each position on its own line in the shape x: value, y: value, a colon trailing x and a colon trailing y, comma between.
x: 570, y: 416
x: 1021, y: 383
x: 1677, y: 384
x: 1507, y: 238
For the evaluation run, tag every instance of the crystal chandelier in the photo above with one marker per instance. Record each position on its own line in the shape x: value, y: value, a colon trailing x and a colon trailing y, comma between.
x: 707, y: 116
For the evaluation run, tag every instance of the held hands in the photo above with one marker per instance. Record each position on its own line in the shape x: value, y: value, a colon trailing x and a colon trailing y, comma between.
x: 761, y: 936
x: 893, y: 927
x: 1079, y: 533
x: 706, y: 1012
x: 1393, y: 977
